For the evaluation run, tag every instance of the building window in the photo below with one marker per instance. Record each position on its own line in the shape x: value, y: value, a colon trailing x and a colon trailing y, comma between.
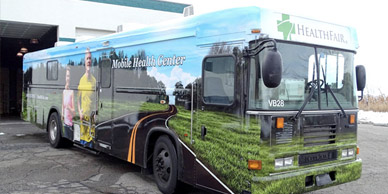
x: 218, y: 80
x: 52, y: 70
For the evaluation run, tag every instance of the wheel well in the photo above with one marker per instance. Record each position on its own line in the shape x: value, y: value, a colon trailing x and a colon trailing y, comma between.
x: 52, y: 110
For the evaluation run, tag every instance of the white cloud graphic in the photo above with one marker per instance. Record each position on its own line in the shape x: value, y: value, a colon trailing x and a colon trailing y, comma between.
x: 177, y: 74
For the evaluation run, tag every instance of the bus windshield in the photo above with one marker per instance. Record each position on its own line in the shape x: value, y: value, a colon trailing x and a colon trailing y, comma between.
x: 302, y: 66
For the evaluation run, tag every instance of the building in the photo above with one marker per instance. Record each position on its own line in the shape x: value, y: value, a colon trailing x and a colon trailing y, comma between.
x: 27, y: 26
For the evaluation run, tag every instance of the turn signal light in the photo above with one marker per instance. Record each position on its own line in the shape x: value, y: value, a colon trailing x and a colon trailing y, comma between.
x: 254, y: 164
x: 358, y: 151
x: 352, y: 119
x: 280, y: 122
x: 254, y: 31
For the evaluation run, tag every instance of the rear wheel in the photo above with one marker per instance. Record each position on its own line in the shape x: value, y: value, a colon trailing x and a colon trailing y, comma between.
x: 54, y: 131
x: 165, y: 165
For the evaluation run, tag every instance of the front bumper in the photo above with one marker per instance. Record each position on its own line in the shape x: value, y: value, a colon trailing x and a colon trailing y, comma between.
x: 296, y: 181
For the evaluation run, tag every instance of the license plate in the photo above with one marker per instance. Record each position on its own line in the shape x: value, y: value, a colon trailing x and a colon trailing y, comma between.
x: 318, y: 157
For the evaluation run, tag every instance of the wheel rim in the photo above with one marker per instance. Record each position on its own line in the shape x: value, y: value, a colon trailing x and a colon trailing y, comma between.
x: 163, y: 165
x: 53, y: 130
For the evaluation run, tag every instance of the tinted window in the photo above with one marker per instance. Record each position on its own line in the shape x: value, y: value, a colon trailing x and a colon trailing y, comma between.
x: 52, y: 70
x: 105, y: 73
x: 218, y: 80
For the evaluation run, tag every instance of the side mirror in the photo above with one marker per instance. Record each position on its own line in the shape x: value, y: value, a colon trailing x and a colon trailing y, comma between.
x: 272, y: 68
x: 361, y: 79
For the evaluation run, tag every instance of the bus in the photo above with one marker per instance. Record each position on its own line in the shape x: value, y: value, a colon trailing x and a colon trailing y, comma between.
x: 243, y: 100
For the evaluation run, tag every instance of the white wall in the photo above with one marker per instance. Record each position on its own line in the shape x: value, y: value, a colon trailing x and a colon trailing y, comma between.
x: 70, y: 15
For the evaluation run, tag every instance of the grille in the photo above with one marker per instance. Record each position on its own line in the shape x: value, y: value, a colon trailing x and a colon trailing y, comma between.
x: 320, y: 130
x: 284, y: 136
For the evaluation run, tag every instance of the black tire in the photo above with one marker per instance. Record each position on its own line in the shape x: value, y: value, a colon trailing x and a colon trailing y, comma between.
x: 54, y: 127
x: 165, y: 165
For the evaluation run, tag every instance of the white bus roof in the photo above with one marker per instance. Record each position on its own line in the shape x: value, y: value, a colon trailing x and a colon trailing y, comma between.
x: 221, y: 26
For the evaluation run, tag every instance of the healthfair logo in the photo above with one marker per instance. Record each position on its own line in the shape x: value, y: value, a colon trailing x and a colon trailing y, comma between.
x: 291, y: 30
x: 286, y: 27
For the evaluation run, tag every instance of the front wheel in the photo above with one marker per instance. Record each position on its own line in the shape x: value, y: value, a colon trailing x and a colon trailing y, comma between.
x: 54, y: 131
x: 165, y: 165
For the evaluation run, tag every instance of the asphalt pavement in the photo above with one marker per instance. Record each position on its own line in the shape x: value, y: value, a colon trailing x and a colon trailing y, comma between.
x: 373, y: 142
x: 29, y: 165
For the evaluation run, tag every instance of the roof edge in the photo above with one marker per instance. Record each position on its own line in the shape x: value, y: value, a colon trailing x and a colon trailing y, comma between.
x: 146, y: 4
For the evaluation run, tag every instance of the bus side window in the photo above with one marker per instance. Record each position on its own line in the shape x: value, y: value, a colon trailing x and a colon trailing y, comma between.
x: 218, y: 79
x: 52, y: 70
x: 105, y: 73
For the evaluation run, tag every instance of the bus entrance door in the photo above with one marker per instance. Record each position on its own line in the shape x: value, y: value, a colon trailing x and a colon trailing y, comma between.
x: 105, y: 98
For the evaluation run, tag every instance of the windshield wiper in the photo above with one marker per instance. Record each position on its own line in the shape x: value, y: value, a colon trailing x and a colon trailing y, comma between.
x: 314, y: 86
x: 324, y: 80
x: 335, y: 99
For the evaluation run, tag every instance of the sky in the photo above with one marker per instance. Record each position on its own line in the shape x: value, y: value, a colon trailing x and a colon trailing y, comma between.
x: 368, y: 17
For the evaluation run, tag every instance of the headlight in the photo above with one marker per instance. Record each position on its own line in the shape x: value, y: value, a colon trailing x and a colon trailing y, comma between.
x: 350, y: 152
x: 279, y: 162
x: 284, y: 162
x: 288, y: 161
x: 345, y: 153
